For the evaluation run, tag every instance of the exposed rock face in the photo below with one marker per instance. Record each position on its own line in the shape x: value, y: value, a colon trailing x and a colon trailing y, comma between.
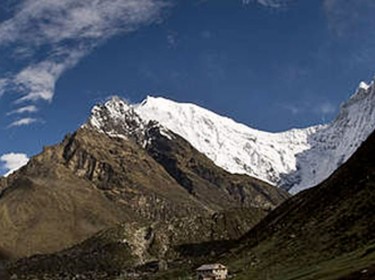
x: 191, y: 169
x: 96, y: 178
x: 127, y: 175
x: 206, y: 181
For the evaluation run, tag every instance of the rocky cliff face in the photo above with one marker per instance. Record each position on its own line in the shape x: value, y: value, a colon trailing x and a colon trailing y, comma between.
x: 97, y: 178
x: 193, y: 171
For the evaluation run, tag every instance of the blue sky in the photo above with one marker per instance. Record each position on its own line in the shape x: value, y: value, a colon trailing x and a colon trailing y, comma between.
x: 271, y: 64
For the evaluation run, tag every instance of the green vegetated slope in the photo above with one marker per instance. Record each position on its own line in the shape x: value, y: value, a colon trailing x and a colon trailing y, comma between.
x: 129, y: 248
x: 323, y: 233
x: 155, y: 198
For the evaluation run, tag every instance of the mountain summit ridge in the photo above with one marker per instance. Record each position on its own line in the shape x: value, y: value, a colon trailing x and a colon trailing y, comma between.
x: 295, y: 159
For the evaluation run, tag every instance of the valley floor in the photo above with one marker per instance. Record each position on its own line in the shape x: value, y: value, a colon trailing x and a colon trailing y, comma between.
x: 358, y: 265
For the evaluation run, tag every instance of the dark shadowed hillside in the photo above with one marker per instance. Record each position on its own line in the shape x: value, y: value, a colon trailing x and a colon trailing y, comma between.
x: 323, y: 233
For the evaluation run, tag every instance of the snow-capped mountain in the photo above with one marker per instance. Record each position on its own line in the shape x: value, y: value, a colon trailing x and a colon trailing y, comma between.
x: 335, y: 143
x: 296, y: 159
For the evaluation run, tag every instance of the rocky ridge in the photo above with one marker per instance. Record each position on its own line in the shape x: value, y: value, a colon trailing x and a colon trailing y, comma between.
x: 294, y: 160
x: 96, y: 179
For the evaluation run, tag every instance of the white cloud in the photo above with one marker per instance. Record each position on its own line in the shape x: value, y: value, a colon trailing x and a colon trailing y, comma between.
x: 13, y: 161
x: 23, y: 122
x: 26, y: 109
x: 268, y: 3
x: 54, y: 21
x: 3, y: 84
x: 38, y: 81
x: 63, y: 31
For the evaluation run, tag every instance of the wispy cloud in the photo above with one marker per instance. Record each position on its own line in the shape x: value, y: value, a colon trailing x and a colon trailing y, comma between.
x: 268, y: 3
x: 52, y: 36
x: 23, y: 122
x: 37, y: 81
x: 12, y: 162
x: 3, y: 83
x: 55, y: 21
x: 25, y: 109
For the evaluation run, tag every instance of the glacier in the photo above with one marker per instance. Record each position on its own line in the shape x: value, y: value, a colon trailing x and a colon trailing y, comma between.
x: 295, y: 160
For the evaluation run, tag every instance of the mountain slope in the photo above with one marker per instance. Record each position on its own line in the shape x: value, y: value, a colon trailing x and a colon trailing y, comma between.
x: 191, y: 169
x: 94, y: 180
x: 43, y: 213
x: 322, y: 233
x: 295, y: 159
x: 131, y: 251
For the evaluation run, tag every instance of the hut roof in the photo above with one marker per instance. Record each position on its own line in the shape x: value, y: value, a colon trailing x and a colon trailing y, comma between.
x: 211, y: 267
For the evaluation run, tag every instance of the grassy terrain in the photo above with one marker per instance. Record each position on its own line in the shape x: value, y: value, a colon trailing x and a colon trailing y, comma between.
x: 324, y: 233
x: 324, y: 269
x: 341, y: 267
x: 131, y: 247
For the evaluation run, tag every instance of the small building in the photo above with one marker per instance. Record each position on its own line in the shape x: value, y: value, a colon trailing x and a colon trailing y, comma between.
x: 215, y: 271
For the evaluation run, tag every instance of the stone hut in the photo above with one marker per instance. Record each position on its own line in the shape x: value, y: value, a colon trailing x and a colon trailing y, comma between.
x: 215, y: 271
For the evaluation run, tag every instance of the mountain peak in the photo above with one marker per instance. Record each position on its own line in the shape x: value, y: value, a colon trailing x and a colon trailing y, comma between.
x: 364, y: 91
x: 335, y: 144
x: 363, y: 85
x: 295, y: 159
x: 116, y: 117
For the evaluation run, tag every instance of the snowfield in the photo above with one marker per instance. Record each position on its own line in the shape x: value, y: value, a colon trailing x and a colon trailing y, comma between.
x: 296, y: 159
